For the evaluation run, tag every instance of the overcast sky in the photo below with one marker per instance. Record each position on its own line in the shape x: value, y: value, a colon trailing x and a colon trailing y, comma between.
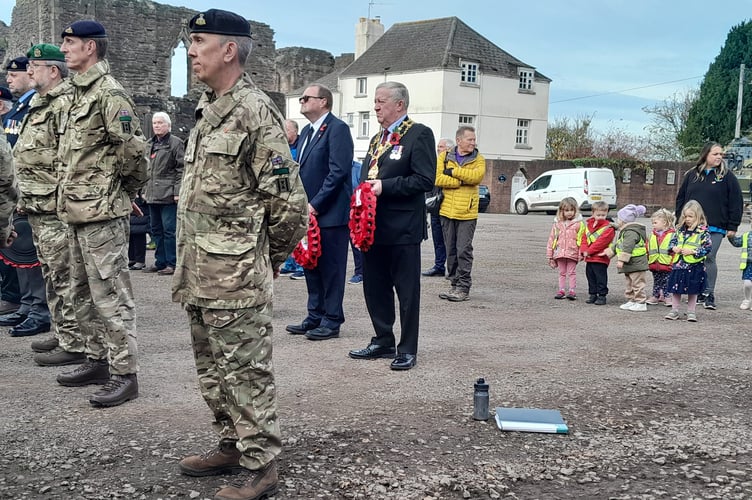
x: 636, y: 52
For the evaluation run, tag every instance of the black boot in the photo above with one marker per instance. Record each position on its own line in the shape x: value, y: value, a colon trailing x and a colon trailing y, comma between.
x: 591, y: 299
x: 600, y: 301
x: 93, y: 371
x: 118, y: 390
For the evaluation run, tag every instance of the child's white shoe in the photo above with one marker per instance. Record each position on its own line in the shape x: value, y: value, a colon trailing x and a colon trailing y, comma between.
x: 744, y: 304
x: 637, y: 306
x: 627, y: 306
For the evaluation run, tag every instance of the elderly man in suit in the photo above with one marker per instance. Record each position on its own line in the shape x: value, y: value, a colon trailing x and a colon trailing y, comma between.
x: 325, y: 154
x: 401, y: 167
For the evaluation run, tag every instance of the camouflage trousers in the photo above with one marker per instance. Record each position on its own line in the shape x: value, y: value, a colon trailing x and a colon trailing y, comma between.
x: 51, y: 239
x: 102, y: 292
x: 233, y: 350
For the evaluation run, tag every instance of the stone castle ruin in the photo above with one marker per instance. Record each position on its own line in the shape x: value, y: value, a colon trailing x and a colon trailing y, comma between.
x: 143, y: 38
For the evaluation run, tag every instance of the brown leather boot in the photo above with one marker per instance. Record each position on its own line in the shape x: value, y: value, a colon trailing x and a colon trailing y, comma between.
x: 262, y: 483
x: 224, y: 459
x: 117, y: 390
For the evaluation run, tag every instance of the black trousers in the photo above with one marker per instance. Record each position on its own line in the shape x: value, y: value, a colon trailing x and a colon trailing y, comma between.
x: 388, y: 269
x: 597, y: 278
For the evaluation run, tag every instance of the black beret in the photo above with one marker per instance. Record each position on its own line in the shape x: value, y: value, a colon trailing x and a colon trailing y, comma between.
x: 220, y: 22
x: 18, y: 64
x: 6, y: 94
x: 85, y: 29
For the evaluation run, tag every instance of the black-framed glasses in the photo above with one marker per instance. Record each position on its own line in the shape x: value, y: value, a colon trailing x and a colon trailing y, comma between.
x: 35, y: 65
x: 306, y: 97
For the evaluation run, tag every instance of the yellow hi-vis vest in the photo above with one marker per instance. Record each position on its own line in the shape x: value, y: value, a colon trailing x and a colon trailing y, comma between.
x: 591, y: 237
x: 659, y: 253
x: 639, y: 249
x: 693, y: 242
x: 745, y: 249
x: 580, y: 232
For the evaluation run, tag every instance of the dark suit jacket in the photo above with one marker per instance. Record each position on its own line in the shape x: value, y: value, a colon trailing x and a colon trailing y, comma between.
x: 325, y: 167
x: 401, y: 207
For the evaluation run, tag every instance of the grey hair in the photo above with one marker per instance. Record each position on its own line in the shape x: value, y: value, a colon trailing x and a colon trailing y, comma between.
x: 449, y: 143
x: 164, y: 117
x: 244, y: 43
x: 61, y: 67
x: 397, y: 90
x: 464, y: 128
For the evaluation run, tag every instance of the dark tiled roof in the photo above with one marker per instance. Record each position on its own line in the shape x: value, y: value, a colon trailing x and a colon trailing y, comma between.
x: 434, y: 44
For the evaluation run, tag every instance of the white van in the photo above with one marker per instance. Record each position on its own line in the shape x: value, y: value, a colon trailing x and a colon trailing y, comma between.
x: 585, y: 185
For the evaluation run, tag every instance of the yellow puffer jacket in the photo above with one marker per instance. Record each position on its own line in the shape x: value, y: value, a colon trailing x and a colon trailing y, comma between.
x: 461, y: 188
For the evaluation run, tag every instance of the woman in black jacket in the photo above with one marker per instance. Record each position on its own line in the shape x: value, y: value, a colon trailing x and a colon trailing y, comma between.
x: 717, y: 190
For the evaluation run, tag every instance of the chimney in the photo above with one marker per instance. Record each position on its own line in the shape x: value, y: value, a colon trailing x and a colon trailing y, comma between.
x: 367, y: 31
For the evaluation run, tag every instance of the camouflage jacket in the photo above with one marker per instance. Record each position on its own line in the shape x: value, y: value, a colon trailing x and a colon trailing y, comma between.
x: 8, y: 188
x: 102, y: 150
x: 242, y: 206
x: 35, y: 153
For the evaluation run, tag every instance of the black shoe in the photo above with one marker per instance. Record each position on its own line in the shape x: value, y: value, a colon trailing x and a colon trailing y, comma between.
x: 30, y: 326
x: 600, y: 301
x: 434, y: 271
x: 373, y: 351
x: 45, y: 345
x: 710, y: 302
x: 322, y: 333
x: 591, y: 299
x: 93, y: 371
x: 403, y: 362
x: 8, y: 307
x: 59, y: 357
x: 117, y: 390
x: 12, y: 319
x: 300, y: 329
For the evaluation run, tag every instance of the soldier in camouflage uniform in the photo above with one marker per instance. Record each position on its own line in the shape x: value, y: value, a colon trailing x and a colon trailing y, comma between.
x: 8, y: 191
x: 37, y: 169
x: 241, y: 211
x: 102, y: 153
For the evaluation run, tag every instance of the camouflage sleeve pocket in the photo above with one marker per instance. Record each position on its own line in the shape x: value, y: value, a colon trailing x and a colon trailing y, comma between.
x: 275, y: 172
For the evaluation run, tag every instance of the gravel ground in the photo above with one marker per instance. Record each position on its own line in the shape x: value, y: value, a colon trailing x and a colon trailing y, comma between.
x: 656, y: 409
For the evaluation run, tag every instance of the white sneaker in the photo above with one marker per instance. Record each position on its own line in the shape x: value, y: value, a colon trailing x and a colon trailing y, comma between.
x: 744, y: 304
x: 637, y: 306
x: 627, y: 306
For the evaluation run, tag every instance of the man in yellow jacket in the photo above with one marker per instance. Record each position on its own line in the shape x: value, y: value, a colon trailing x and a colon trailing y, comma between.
x: 459, y: 171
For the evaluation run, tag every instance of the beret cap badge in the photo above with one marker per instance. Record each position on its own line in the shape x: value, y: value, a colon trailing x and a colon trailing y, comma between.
x: 69, y: 30
x: 201, y: 21
x: 13, y: 65
x: 37, y: 52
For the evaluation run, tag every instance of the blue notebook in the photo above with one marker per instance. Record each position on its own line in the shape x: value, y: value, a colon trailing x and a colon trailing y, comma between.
x: 530, y: 420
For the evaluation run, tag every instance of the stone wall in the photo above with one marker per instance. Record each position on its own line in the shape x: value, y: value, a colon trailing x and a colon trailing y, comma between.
x: 143, y: 36
x: 631, y: 188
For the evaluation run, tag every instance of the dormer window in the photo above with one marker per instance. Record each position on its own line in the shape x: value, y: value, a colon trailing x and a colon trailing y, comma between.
x: 469, y: 72
x: 526, y: 76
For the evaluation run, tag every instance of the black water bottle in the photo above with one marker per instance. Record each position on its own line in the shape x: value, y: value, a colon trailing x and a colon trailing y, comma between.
x: 480, y: 400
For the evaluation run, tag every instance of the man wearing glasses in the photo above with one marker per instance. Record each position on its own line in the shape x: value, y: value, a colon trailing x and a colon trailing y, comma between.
x: 325, y: 154
x: 37, y: 170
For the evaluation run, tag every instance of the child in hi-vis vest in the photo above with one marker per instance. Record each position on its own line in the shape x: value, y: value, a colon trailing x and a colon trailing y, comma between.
x: 563, y: 249
x: 690, y: 244
x: 632, y: 256
x: 744, y: 241
x: 599, y: 233
x: 659, y: 255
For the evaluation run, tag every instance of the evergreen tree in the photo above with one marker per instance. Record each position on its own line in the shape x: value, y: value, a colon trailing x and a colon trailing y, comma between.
x: 712, y: 117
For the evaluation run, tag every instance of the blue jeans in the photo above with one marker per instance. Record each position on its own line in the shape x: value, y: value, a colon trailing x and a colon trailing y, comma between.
x: 162, y: 228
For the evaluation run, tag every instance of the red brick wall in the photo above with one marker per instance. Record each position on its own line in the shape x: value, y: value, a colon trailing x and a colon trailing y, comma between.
x: 653, y: 196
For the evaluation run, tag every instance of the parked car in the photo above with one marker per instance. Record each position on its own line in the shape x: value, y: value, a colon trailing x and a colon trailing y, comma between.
x: 484, y: 198
x: 585, y: 185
